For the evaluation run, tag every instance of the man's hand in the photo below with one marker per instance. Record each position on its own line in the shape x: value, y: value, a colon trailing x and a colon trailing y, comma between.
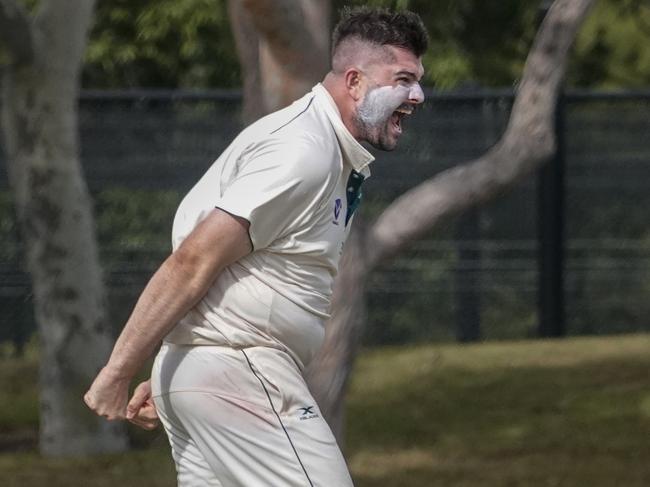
x: 141, y: 410
x: 108, y: 394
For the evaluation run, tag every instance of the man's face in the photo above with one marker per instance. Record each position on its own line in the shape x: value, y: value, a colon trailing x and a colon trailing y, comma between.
x: 392, y: 91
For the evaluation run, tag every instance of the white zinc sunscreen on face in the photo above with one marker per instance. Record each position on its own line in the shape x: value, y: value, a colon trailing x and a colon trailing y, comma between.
x: 416, y: 93
x: 380, y: 103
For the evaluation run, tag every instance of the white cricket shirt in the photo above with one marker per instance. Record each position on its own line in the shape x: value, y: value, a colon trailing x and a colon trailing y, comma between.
x: 294, y: 175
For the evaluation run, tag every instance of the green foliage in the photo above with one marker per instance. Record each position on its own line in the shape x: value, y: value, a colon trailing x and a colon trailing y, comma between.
x: 611, y: 50
x: 161, y: 43
x: 486, y: 43
x: 188, y: 43
x: 468, y: 37
x: 135, y: 220
x: 19, y: 398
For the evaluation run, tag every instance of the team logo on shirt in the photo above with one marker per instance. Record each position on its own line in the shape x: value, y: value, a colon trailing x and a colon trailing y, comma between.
x: 307, y: 412
x: 337, y: 210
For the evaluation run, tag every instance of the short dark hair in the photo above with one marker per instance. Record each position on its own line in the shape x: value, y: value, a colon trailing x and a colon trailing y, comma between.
x: 382, y: 27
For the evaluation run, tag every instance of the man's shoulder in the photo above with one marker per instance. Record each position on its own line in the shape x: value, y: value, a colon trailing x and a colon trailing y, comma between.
x: 299, y: 116
x: 300, y: 123
x: 299, y: 154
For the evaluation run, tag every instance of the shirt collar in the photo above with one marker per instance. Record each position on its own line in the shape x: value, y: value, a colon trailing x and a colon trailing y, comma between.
x: 353, y: 152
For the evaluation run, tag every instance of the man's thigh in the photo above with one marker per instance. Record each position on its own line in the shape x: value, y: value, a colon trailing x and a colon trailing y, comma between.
x: 250, y: 415
x: 192, y: 468
x: 301, y: 424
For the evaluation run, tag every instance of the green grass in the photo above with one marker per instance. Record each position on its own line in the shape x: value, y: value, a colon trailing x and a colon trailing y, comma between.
x: 554, y: 413
x: 18, y: 396
x: 536, y: 413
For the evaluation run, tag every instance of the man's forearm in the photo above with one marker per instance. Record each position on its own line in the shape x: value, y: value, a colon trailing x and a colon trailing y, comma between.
x: 176, y: 287
x: 172, y: 291
x: 217, y: 241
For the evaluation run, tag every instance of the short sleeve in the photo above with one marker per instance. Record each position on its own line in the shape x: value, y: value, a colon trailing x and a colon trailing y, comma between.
x: 275, y: 188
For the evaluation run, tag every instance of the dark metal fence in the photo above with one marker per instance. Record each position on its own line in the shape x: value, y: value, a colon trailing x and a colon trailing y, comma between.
x: 477, y: 276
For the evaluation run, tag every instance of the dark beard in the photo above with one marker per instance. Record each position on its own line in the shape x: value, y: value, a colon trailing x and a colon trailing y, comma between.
x: 377, y: 137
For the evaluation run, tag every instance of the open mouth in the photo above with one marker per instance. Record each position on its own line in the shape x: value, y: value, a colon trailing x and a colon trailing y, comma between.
x: 399, y: 115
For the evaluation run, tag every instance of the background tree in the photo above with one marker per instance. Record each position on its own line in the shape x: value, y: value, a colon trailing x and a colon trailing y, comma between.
x: 44, y: 52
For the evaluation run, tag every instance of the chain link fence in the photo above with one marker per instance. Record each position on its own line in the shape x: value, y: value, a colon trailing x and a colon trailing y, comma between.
x: 142, y: 151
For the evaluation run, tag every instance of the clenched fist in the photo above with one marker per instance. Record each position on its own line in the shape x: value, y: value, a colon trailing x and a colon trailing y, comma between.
x: 108, y: 394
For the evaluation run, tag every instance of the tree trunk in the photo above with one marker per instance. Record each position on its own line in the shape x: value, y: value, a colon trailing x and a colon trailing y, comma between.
x: 293, y: 46
x: 328, y: 373
x: 527, y: 143
x: 39, y: 118
x: 247, y: 42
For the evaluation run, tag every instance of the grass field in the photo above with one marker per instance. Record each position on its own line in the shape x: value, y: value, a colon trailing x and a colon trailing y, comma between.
x: 536, y: 413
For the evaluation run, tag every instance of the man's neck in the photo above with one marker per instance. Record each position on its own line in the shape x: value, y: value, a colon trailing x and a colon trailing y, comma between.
x: 333, y: 84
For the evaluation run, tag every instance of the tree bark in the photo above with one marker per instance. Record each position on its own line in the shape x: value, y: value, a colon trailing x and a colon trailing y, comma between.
x: 39, y: 118
x: 247, y: 43
x: 15, y: 33
x: 293, y: 46
x: 328, y: 374
x: 527, y: 143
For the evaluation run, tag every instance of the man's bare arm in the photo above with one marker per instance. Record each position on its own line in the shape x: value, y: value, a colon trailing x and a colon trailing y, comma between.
x: 180, y: 282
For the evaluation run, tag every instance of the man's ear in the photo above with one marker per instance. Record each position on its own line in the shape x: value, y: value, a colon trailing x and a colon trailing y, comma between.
x: 353, y: 84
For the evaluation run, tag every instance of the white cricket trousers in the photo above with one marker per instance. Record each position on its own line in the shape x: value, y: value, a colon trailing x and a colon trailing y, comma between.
x: 243, y: 418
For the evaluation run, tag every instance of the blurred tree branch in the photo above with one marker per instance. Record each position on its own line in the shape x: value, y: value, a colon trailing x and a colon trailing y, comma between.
x: 284, y: 42
x: 295, y: 48
x: 527, y: 143
x: 248, y: 51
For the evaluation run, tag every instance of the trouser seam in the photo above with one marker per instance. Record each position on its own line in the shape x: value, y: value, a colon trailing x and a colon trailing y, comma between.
x: 268, y: 396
